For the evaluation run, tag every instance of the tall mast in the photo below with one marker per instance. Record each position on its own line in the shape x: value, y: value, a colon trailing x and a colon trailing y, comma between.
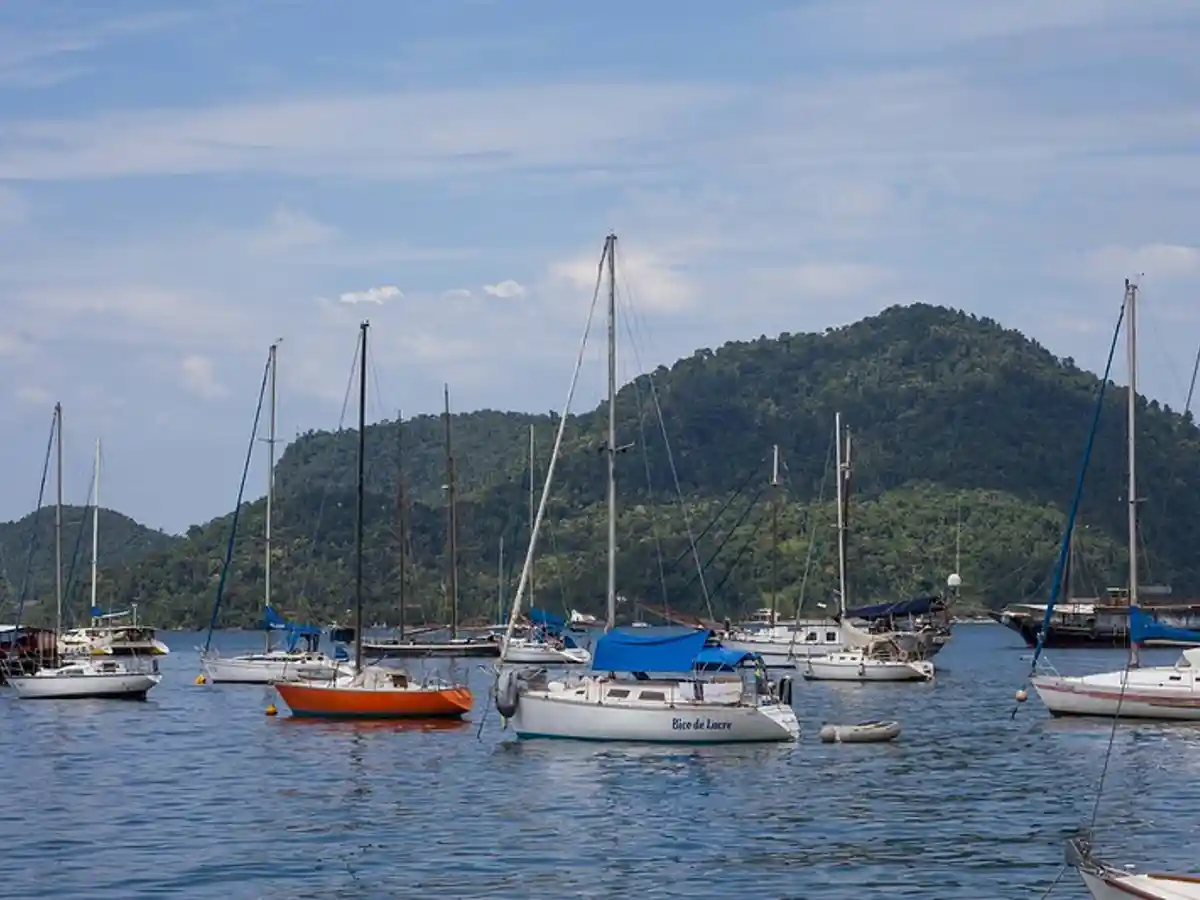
x: 500, y: 582
x: 841, y: 516
x: 532, y: 509
x: 1131, y: 337
x: 452, y: 516
x: 95, y: 525
x: 358, y: 523
x: 58, y: 593
x: 270, y: 492
x: 611, y: 250
x: 774, y: 533
x: 401, y: 516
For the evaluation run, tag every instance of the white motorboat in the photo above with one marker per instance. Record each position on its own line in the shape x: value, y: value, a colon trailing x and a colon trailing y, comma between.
x: 735, y: 704
x: 786, y: 644
x: 274, y: 665
x: 87, y: 678
x: 291, y: 662
x: 709, y: 694
x: 106, y: 637
x: 861, y: 666
x: 533, y: 651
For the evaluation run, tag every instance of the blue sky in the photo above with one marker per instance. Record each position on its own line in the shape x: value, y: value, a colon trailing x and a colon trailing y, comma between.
x: 179, y: 188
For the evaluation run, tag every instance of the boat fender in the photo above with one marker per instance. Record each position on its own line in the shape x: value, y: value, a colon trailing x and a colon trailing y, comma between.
x: 862, y: 669
x: 507, y: 693
x: 784, y: 690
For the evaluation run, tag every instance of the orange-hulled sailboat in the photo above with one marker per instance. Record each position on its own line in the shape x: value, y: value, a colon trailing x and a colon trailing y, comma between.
x: 372, y: 692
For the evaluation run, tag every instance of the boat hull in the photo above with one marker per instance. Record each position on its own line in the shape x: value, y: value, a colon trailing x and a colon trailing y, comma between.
x: 418, y: 650
x: 822, y: 669
x: 265, y: 670
x: 545, y: 655
x: 331, y: 701
x: 1102, y: 697
x: 123, y: 686
x: 539, y: 715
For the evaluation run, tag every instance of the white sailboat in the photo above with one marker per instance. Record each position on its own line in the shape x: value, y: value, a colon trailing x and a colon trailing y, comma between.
x: 619, y: 700
x: 85, y: 678
x: 1168, y: 693
x: 272, y: 664
x: 538, y: 646
x: 867, y: 657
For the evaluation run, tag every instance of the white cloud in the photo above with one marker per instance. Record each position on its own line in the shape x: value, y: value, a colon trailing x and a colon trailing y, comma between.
x: 645, y: 279
x: 506, y: 290
x: 376, y: 295
x: 1157, y: 262
x: 290, y: 229
x: 199, y: 377
x: 454, y: 294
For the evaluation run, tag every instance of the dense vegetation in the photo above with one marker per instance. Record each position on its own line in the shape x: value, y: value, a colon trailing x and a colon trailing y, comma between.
x: 958, y: 426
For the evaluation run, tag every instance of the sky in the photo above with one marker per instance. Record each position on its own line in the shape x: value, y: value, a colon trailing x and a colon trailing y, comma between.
x: 179, y: 187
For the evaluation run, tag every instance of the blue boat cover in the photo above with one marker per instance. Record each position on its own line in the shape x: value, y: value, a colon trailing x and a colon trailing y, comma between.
x: 917, y: 606
x: 1144, y: 627
x: 628, y: 651
x: 273, y: 621
x: 547, y: 621
x: 722, y: 658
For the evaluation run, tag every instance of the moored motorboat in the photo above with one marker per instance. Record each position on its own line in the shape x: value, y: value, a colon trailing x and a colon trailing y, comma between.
x: 87, y: 678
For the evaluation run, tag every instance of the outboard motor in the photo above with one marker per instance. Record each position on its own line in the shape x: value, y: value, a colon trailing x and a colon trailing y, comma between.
x: 784, y: 690
x: 508, y: 693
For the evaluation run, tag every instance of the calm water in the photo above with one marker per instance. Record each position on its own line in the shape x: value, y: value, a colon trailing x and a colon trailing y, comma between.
x: 198, y: 794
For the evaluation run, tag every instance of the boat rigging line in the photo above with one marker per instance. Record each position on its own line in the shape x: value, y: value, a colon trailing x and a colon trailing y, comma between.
x: 33, y: 542
x: 237, y: 509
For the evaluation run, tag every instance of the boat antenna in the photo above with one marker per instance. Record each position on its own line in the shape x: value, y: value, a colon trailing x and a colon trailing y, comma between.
x: 358, y: 524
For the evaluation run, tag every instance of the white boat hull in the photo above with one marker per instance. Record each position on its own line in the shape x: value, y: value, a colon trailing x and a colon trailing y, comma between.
x: 1120, y: 886
x: 579, y: 714
x: 120, y: 685
x: 266, y: 668
x: 536, y: 653
x: 837, y: 668
x: 1162, y: 693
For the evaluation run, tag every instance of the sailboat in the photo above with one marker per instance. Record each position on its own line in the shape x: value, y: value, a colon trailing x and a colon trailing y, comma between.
x: 371, y: 692
x: 455, y: 645
x: 1154, y: 692
x: 782, y: 644
x: 88, y: 677
x: 702, y: 692
x: 292, y: 661
x: 866, y: 657
x: 546, y: 642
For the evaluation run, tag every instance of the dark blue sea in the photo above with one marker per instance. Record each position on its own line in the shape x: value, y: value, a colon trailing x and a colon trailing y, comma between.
x: 196, y: 793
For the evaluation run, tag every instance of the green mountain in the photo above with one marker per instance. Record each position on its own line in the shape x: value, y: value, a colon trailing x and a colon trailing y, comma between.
x: 959, y: 425
x: 121, y: 543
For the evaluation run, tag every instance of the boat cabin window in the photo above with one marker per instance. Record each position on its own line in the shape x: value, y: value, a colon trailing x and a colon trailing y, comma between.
x: 831, y: 637
x: 619, y: 692
x: 812, y: 636
x: 400, y: 681
x: 652, y: 695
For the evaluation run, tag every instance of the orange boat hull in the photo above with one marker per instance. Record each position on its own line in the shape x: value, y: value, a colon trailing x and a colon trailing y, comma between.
x: 349, y: 703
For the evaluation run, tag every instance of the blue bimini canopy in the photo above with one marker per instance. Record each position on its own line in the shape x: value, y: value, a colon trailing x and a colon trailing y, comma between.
x: 628, y: 651
x: 722, y: 659
x: 917, y: 606
x: 273, y: 621
x: 547, y: 621
x: 1144, y: 628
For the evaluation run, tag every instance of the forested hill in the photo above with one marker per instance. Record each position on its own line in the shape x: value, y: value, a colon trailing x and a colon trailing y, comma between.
x: 955, y: 420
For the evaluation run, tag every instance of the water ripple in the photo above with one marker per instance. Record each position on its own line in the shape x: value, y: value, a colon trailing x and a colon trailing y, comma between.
x: 197, y: 794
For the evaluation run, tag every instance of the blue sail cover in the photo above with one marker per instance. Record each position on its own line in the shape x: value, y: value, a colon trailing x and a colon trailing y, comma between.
x: 1144, y: 628
x: 547, y: 621
x: 917, y: 606
x: 627, y: 651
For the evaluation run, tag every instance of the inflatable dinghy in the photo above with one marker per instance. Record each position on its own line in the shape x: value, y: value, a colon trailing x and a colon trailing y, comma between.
x: 863, y: 733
